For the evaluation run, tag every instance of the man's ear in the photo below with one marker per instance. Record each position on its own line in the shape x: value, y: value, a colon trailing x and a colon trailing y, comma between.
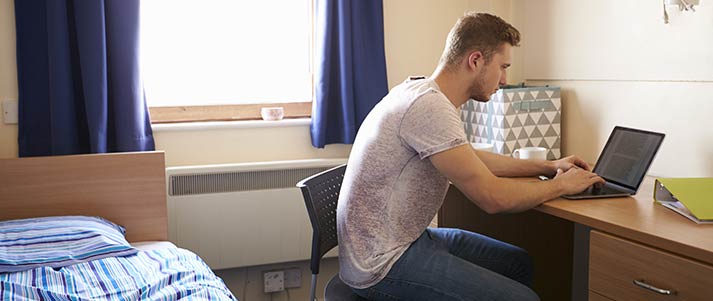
x: 475, y: 60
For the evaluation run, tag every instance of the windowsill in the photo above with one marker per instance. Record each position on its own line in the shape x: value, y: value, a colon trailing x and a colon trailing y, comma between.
x: 221, y: 125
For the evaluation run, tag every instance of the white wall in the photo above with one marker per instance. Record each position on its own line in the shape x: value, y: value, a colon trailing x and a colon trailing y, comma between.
x: 416, y: 30
x: 247, y: 283
x: 237, y: 145
x: 619, y: 64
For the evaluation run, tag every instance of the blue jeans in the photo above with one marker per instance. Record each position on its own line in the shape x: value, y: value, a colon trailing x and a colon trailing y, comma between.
x: 452, y: 264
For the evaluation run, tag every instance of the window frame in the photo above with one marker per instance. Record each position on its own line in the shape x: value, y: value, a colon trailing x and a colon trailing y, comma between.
x: 236, y: 112
x: 239, y: 112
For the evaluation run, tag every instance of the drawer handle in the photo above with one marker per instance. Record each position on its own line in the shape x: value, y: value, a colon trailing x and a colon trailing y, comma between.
x: 650, y: 287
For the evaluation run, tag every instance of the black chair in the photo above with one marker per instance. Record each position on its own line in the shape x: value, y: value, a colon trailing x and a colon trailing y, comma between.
x: 320, y: 193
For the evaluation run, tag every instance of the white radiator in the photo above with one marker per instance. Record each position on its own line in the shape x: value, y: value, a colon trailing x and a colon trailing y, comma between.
x: 235, y: 215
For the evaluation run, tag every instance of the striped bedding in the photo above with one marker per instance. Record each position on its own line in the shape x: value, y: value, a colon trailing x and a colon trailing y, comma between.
x: 163, y: 274
x: 59, y: 241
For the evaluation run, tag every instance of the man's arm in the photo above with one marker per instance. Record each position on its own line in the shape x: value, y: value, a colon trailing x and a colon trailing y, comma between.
x: 506, y: 166
x: 495, y: 194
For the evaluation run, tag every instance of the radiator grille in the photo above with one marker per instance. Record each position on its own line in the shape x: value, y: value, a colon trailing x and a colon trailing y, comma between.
x: 239, y: 181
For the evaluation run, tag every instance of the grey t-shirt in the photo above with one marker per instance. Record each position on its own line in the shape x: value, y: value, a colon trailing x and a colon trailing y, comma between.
x: 391, y: 191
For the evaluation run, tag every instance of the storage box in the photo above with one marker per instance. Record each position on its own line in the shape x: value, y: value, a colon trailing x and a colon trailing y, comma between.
x: 515, y: 117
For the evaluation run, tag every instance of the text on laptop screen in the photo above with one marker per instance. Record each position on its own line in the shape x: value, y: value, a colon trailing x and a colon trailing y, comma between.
x: 627, y: 156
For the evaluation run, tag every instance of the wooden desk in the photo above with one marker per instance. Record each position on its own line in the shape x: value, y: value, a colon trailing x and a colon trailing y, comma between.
x: 624, y: 231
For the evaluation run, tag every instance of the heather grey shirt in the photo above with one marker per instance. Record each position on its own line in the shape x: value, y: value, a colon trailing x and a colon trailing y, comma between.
x: 391, y: 191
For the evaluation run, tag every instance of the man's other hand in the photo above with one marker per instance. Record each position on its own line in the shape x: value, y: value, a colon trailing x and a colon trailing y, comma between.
x: 576, y: 180
x: 566, y: 163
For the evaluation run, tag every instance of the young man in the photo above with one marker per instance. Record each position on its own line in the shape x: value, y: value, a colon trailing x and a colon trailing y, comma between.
x: 408, y: 149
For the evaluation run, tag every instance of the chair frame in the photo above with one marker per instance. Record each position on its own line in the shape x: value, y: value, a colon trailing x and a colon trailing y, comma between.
x: 324, y: 231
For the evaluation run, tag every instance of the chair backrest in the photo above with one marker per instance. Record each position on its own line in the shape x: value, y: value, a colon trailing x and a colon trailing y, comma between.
x: 320, y: 193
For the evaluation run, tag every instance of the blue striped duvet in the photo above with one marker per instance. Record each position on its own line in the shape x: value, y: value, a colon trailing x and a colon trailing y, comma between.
x: 164, y: 274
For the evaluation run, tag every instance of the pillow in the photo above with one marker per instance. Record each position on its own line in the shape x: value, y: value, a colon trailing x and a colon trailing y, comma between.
x: 59, y: 241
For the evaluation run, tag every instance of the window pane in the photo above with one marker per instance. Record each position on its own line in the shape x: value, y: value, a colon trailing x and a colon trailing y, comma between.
x: 205, y: 52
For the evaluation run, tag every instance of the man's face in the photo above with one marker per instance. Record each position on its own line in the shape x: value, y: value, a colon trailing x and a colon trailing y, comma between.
x: 491, y: 75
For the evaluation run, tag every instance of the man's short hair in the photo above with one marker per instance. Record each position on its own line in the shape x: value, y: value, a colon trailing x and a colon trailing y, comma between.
x: 478, y: 31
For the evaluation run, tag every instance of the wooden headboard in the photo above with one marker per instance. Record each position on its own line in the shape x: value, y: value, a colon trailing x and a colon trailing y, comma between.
x: 126, y: 188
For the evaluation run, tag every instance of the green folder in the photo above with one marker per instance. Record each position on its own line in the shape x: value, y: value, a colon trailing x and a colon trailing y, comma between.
x: 694, y: 193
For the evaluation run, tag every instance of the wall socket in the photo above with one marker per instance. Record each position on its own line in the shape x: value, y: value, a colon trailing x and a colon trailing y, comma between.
x: 293, y: 277
x: 274, y: 281
x: 9, y: 111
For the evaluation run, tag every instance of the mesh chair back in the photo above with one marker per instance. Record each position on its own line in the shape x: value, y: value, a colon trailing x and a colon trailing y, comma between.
x: 320, y: 193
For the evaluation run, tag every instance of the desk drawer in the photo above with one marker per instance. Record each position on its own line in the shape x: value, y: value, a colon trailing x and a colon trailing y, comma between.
x: 615, y: 263
x: 593, y: 296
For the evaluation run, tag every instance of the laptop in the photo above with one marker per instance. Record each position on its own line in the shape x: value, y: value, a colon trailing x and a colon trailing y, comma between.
x: 623, y: 163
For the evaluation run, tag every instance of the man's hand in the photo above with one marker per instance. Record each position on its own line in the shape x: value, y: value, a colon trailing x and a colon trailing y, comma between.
x: 576, y: 179
x: 567, y: 163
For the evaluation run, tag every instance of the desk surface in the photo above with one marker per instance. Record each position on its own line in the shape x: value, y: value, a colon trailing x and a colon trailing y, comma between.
x: 641, y: 219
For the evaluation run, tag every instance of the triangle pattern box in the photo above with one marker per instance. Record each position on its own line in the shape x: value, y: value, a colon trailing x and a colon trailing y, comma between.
x: 517, y: 117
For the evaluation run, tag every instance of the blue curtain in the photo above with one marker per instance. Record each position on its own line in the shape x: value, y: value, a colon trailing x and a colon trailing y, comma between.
x: 351, y: 70
x: 80, y: 89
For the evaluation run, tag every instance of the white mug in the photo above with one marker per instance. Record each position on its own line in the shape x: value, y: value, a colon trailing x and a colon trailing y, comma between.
x: 272, y: 113
x: 532, y: 152
x: 482, y: 146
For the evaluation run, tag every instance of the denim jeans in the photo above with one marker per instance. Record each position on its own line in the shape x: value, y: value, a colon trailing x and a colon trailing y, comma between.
x: 453, y: 264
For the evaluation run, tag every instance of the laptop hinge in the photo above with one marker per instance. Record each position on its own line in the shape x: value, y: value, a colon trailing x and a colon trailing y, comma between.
x: 619, y: 187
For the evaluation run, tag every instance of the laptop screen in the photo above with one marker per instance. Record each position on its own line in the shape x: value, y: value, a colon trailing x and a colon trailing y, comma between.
x: 627, y: 156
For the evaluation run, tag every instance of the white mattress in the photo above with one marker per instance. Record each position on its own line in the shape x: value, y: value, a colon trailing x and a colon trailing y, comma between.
x: 152, y: 245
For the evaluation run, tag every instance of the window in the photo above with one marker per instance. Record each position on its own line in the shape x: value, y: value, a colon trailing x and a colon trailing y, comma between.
x: 224, y: 59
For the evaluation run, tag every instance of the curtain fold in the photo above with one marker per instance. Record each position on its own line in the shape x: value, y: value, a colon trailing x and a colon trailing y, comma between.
x: 80, y: 89
x: 350, y: 77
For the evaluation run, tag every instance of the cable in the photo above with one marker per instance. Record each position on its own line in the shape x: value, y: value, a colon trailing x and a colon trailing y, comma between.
x: 287, y: 291
x: 245, y: 284
x: 665, y: 13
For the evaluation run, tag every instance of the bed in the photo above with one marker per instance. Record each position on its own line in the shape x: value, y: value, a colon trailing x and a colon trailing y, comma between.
x: 94, y: 227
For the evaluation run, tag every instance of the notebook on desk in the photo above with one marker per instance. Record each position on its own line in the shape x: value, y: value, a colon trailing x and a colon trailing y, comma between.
x: 623, y: 163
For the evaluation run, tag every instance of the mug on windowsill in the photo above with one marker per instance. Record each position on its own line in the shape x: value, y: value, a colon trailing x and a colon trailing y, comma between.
x: 272, y: 113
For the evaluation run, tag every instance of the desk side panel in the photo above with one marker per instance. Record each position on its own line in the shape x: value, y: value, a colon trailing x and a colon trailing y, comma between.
x: 548, y: 240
